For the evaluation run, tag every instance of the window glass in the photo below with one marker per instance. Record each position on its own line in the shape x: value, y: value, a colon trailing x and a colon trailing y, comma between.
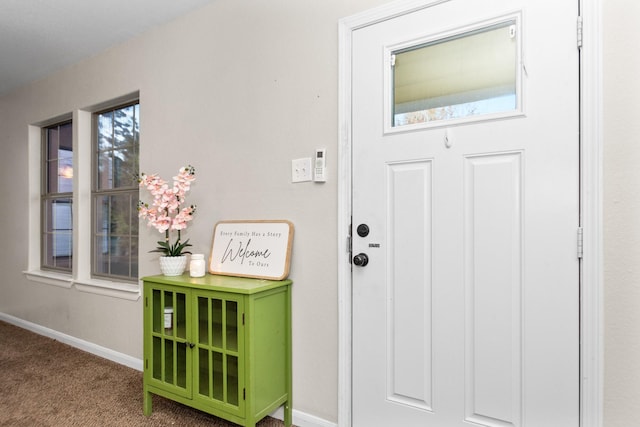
x: 57, y: 218
x: 117, y: 148
x: 115, y: 195
x: 469, y: 74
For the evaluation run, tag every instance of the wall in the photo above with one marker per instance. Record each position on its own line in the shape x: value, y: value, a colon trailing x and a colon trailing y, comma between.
x: 238, y: 89
x: 621, y: 68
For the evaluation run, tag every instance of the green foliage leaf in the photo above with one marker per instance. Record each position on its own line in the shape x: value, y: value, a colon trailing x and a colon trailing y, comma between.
x: 177, y: 249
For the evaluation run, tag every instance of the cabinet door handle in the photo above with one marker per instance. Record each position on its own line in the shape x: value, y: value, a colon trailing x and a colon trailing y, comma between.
x: 191, y: 345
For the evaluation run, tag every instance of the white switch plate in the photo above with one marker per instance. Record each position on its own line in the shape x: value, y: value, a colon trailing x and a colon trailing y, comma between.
x: 301, y: 170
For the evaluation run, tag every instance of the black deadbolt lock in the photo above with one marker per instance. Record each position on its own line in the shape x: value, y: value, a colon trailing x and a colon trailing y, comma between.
x: 363, y: 230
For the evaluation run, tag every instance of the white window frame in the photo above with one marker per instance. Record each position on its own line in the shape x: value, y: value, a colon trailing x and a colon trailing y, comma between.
x: 80, y: 277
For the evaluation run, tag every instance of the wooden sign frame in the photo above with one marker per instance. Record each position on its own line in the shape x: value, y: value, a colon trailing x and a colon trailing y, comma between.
x: 258, y: 249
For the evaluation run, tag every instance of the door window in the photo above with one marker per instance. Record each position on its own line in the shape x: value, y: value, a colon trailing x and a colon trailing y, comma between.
x: 472, y: 74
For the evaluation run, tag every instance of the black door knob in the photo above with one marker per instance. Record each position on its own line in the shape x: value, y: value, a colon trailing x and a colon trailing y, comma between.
x: 361, y: 260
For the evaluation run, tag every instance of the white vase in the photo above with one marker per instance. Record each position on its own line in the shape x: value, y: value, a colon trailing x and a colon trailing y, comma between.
x: 173, y: 265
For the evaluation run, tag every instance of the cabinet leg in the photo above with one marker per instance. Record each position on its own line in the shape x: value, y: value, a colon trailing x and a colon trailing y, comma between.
x: 287, y: 415
x: 146, y: 403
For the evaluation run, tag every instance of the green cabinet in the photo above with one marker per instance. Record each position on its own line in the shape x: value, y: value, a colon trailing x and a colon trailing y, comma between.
x: 219, y: 344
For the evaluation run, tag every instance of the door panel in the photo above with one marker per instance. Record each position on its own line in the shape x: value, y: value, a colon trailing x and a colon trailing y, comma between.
x: 409, y: 285
x: 493, y: 287
x: 467, y: 311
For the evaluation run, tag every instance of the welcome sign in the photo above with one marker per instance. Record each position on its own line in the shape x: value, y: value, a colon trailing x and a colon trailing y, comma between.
x: 258, y: 249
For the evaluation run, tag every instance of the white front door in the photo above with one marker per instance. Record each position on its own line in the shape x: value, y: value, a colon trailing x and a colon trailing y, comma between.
x: 466, y: 176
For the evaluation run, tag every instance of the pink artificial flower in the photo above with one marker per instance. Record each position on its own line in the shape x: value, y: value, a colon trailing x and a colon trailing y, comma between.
x: 181, y: 219
x: 161, y: 223
x: 165, y: 213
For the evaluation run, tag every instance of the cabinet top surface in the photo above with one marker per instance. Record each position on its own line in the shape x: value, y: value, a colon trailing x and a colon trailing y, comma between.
x: 214, y: 282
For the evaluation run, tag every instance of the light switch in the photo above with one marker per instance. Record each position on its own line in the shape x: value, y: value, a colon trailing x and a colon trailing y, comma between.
x: 301, y: 170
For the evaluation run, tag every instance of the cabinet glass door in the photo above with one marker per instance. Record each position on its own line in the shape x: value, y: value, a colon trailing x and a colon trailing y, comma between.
x: 219, y: 347
x: 169, y: 363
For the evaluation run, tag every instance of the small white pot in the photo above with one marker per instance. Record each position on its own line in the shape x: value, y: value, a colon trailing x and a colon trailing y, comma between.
x: 173, y: 265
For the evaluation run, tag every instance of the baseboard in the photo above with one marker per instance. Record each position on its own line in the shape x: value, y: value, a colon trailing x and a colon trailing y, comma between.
x: 78, y: 343
x: 300, y: 419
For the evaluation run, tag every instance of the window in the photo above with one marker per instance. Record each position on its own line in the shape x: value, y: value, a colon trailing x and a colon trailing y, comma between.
x: 57, y: 198
x: 115, y: 193
x: 83, y: 194
x: 461, y: 76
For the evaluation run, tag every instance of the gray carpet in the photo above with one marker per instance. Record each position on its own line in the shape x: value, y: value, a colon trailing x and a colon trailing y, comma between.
x: 46, y: 383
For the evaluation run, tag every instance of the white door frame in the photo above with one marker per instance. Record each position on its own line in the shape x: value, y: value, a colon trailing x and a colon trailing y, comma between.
x: 591, y: 292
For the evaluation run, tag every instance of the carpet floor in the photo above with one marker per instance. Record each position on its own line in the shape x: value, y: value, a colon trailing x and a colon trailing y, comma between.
x: 47, y: 383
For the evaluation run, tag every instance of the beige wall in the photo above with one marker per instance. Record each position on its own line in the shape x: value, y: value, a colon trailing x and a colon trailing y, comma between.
x: 621, y: 65
x: 239, y: 89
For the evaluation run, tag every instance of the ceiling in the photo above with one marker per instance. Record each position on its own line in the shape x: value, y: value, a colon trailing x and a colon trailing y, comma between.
x: 39, y: 37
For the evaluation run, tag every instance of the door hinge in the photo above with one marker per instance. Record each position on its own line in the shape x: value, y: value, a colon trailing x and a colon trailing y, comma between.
x: 580, y: 242
x: 392, y: 61
x: 146, y: 301
x: 579, y: 32
x: 244, y: 394
x: 242, y: 319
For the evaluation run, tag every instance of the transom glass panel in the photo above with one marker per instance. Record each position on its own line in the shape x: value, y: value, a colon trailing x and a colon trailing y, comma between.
x: 465, y: 75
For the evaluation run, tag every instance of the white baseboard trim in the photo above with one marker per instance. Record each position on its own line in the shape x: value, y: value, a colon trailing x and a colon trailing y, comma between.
x: 300, y: 419
x: 87, y: 346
